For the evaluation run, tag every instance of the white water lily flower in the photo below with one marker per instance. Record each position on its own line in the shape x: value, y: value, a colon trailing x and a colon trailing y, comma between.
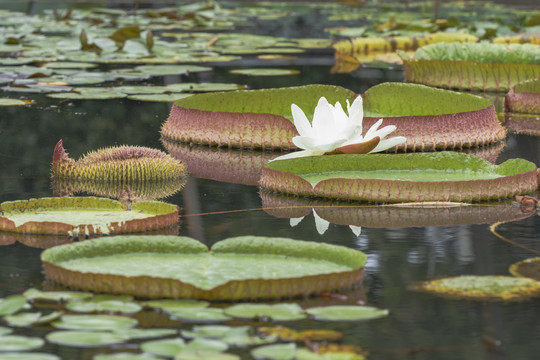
x: 332, y: 130
x: 322, y: 225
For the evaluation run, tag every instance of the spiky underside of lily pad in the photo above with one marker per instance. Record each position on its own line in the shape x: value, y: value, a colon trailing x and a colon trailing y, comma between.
x: 124, y: 163
x: 163, y: 287
x: 432, y: 119
x: 516, y: 176
x: 160, y: 215
x: 529, y: 268
x: 505, y: 288
x: 229, y: 165
x: 256, y: 119
x: 524, y: 97
x: 400, y: 216
x: 468, y: 75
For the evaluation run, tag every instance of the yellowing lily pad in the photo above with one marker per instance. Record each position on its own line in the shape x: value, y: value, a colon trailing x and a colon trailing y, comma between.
x: 183, y: 268
x: 83, y: 216
x: 416, y: 177
x: 505, y: 288
x: 14, y: 102
x: 529, y: 268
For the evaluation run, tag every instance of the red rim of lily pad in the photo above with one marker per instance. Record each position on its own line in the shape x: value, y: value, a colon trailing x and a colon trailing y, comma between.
x: 58, y: 264
x: 396, y: 216
x: 156, y: 215
x: 524, y: 97
x: 431, y: 119
x: 513, y: 177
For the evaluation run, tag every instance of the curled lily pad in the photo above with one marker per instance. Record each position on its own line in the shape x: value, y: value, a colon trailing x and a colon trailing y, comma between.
x: 183, y: 268
x: 443, y: 176
x: 433, y: 119
x: 11, y: 304
x: 276, y: 312
x: 95, y: 216
x: 524, y: 97
x: 506, y: 288
x: 473, y: 66
x: 94, y: 322
x: 245, y: 118
x: 117, y: 164
x: 85, y: 338
x: 346, y: 313
x: 19, y: 343
x: 529, y: 268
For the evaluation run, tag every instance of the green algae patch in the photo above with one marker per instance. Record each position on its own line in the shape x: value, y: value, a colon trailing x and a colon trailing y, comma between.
x: 529, y: 268
x: 181, y: 267
x: 84, y: 216
x: 258, y: 119
x: 419, y: 177
x: 505, y: 288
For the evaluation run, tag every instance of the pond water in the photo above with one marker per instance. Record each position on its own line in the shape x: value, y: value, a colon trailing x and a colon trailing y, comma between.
x: 403, y: 246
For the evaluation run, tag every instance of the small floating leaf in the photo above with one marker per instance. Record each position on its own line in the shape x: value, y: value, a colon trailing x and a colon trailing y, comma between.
x: 93, y: 305
x: 124, y: 356
x: 265, y: 72
x: 19, y: 343
x: 55, y: 296
x: 27, y: 319
x: 204, y: 87
x: 14, y: 102
x: 528, y: 268
x: 166, y: 347
x: 275, y: 352
x: 232, y: 335
x: 200, y: 315
x: 5, y: 330
x: 27, y: 356
x: 161, y: 70
x: 286, y: 333
x: 169, y: 305
x: 158, y: 97
x: 85, y: 338
x: 134, y: 333
x: 11, y: 304
x: 69, y: 65
x: 346, y: 313
x: 94, y: 322
x: 276, y: 312
x: 483, y: 287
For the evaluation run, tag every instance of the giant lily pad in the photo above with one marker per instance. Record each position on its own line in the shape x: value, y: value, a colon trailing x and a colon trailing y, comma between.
x: 529, y: 268
x: 506, y: 288
x: 430, y: 119
x: 444, y: 176
x: 473, y: 66
x: 245, y: 118
x: 524, y: 97
x: 80, y: 216
x: 181, y: 267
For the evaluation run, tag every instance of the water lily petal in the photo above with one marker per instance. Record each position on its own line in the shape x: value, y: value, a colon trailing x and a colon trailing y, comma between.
x: 324, y: 125
x: 303, y: 126
x: 340, y: 117
x: 388, y: 143
x: 295, y: 221
x: 382, y: 133
x: 321, y: 224
x: 356, y: 111
x: 373, y: 129
x: 297, y: 154
x: 312, y: 144
x: 357, y: 230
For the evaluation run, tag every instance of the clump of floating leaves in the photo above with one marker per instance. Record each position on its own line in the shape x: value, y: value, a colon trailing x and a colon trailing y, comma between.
x: 505, y: 288
x: 123, y: 163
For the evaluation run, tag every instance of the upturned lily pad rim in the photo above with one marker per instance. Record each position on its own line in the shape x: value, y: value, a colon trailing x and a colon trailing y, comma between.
x: 515, y: 176
x: 515, y: 269
x: 161, y: 215
x: 231, y: 290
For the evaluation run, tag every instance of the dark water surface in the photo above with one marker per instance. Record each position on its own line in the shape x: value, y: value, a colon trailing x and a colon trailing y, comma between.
x: 420, y: 326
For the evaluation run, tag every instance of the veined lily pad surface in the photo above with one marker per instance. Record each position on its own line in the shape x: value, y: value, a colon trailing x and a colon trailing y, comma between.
x: 524, y: 97
x: 80, y: 216
x: 430, y: 119
x: 443, y: 176
x: 181, y: 267
x: 473, y: 66
x: 245, y: 118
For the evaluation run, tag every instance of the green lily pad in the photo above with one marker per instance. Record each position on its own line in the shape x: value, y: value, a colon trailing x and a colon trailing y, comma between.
x: 19, y: 343
x: 203, y: 355
x: 505, y: 288
x: 220, y: 118
x: 346, y: 313
x: 161, y: 70
x: 417, y: 177
x: 69, y: 65
x: 524, y: 97
x: 5, y: 330
x: 158, y: 97
x: 305, y: 354
x: 276, y: 312
x: 14, y: 102
x: 27, y: 356
x: 199, y: 315
x: 279, y: 267
x: 126, y: 89
x: 265, y: 72
x: 105, y: 95
x: 125, y: 356
x: 33, y: 318
x: 134, y: 333
x: 11, y: 304
x: 473, y: 66
x: 528, y: 268
x: 80, y: 216
x: 232, y: 335
x: 165, y: 347
x: 94, y: 322
x: 204, y: 87
x: 85, y: 338
x: 103, y: 305
x: 275, y: 352
x: 168, y: 305
x: 55, y: 296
